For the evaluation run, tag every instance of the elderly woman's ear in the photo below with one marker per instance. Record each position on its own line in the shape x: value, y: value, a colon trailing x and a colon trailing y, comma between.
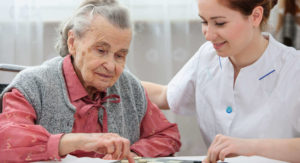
x: 71, y: 42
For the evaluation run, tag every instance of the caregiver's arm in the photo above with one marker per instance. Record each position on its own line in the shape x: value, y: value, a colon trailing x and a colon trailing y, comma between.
x: 279, y: 149
x: 157, y: 94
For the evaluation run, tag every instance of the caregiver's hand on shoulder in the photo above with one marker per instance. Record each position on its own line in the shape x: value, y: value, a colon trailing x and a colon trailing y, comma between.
x: 104, y: 143
x: 225, y: 146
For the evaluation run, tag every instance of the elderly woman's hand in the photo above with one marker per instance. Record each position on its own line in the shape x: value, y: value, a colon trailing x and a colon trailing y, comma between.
x: 225, y: 146
x: 104, y: 143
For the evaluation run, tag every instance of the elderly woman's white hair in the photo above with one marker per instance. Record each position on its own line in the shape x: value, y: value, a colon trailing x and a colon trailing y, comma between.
x: 81, y: 20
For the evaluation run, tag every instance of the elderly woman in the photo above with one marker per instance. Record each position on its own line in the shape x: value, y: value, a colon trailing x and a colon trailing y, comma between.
x: 83, y: 103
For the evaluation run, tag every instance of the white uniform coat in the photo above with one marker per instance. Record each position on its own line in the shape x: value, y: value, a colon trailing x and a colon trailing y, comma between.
x: 263, y: 103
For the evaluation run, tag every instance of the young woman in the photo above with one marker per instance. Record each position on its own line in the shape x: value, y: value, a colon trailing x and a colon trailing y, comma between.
x: 241, y: 83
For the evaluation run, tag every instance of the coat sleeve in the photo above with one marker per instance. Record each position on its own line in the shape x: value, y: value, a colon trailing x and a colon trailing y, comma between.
x: 158, y: 136
x: 20, y: 138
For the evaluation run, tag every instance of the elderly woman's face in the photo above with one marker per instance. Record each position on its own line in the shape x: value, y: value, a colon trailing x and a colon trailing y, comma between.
x: 99, y: 55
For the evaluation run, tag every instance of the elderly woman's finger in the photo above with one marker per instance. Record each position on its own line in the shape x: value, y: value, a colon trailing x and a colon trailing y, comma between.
x: 125, y: 149
x: 106, y: 148
x: 130, y: 158
x: 109, y: 146
x: 107, y: 157
x: 118, y: 143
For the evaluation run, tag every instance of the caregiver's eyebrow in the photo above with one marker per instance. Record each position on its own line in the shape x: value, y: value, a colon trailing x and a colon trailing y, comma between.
x: 214, y: 17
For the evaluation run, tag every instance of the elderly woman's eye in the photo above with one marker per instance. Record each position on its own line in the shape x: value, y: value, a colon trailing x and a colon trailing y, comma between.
x: 120, y: 56
x: 101, y: 51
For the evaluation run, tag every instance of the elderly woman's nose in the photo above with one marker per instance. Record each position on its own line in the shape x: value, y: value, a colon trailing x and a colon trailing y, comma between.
x: 109, y: 63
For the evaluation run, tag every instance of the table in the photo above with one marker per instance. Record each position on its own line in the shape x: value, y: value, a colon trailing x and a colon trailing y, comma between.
x: 240, y: 159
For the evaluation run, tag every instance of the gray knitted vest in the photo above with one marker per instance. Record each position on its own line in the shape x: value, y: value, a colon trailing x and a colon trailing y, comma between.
x: 45, y: 89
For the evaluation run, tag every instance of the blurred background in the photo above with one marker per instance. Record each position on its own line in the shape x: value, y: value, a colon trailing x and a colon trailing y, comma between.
x: 166, y: 34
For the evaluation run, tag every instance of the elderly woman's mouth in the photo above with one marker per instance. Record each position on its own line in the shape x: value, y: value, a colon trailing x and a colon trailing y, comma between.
x: 104, y: 75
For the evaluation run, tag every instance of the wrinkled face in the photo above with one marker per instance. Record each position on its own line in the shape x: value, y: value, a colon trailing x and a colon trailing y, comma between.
x: 99, y: 55
x: 228, y: 30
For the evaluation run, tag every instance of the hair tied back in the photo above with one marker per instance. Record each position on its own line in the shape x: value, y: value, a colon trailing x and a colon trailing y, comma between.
x: 273, y: 3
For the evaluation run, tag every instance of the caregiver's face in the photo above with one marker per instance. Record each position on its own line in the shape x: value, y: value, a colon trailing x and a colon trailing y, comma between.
x: 229, y: 31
